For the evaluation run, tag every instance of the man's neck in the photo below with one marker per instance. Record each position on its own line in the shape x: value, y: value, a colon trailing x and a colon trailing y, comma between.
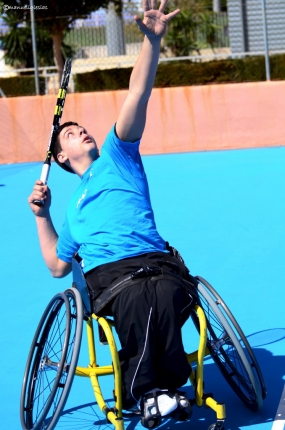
x: 81, y: 167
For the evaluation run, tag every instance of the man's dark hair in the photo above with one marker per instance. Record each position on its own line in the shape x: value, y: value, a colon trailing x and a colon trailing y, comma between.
x: 57, y: 146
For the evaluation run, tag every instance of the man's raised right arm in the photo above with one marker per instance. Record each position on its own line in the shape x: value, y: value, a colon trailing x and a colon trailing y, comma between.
x: 48, y: 236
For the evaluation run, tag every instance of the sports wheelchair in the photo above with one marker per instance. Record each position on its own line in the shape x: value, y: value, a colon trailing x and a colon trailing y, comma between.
x: 53, y: 356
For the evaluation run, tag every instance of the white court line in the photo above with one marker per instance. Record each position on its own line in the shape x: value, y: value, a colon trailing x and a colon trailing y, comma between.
x: 278, y: 425
x: 279, y: 421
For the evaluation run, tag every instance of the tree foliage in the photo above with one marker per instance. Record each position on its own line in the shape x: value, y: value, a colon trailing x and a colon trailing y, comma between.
x: 181, y: 34
x: 52, y: 17
x: 17, y: 45
x: 194, y: 23
x: 55, y: 16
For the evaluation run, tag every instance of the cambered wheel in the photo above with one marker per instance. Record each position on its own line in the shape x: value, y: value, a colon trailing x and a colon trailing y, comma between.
x: 51, y: 362
x: 76, y: 322
x: 229, y: 348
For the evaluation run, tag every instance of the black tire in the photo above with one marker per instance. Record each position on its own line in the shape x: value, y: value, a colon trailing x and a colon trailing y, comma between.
x: 89, y: 416
x: 76, y: 323
x: 51, y: 362
x: 229, y: 348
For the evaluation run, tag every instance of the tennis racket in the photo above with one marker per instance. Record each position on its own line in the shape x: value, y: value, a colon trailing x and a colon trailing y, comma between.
x: 56, y: 122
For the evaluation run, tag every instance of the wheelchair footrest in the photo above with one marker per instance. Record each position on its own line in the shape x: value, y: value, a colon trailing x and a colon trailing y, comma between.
x: 160, y: 403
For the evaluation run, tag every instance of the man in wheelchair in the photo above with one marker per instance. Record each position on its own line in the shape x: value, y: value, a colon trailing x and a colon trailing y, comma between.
x: 110, y: 224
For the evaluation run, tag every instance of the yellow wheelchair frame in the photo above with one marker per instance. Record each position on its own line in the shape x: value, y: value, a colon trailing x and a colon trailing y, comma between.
x: 93, y: 371
x: 42, y: 411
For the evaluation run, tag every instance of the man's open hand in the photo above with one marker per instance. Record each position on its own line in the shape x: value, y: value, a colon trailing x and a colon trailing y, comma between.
x: 155, y: 21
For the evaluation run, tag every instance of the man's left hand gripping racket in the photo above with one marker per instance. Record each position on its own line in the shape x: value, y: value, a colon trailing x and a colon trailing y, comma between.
x: 56, y: 122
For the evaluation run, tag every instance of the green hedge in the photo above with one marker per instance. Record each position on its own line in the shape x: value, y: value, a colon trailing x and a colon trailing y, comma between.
x: 172, y: 74
x: 184, y: 73
x: 21, y: 86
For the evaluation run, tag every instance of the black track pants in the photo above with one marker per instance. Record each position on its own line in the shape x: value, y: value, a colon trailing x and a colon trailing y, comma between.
x: 148, y: 319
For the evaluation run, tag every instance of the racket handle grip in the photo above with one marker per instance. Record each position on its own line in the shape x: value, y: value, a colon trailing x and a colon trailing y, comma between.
x: 45, y: 173
x: 44, y: 179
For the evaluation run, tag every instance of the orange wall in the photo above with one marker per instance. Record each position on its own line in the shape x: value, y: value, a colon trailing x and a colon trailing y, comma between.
x: 183, y: 119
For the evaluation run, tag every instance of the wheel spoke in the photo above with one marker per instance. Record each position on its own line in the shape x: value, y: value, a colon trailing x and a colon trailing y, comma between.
x: 41, y: 380
x: 228, y: 348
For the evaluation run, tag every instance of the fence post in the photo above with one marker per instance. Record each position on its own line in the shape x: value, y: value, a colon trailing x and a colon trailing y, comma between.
x: 34, y: 43
x: 216, y: 5
x: 267, y: 61
x: 115, y: 33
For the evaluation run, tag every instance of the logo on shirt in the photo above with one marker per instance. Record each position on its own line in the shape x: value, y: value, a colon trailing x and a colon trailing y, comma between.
x: 81, y: 198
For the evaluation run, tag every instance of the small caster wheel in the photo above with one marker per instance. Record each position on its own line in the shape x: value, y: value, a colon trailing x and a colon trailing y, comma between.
x: 219, y: 425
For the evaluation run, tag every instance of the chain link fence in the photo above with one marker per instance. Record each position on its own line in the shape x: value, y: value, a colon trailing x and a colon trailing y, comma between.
x: 106, y: 41
x: 99, y: 43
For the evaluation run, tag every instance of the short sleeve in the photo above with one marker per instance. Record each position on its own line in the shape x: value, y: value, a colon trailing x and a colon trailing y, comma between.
x: 124, y: 154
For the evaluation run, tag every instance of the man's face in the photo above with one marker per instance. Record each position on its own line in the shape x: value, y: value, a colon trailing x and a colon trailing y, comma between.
x: 77, y: 145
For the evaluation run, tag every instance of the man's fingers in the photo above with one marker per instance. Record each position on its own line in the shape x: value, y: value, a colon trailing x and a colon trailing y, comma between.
x: 162, y: 5
x: 153, y: 4
x: 39, y: 192
x: 146, y: 5
x: 39, y: 186
x: 40, y: 189
x: 37, y: 195
x: 172, y: 14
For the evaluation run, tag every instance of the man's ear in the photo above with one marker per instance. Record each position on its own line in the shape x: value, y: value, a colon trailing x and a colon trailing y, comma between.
x: 62, y: 157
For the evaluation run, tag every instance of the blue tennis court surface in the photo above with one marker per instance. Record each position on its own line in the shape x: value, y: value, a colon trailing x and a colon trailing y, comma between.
x: 225, y: 213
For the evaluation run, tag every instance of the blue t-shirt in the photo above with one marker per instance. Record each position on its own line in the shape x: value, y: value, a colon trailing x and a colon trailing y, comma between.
x: 110, y: 217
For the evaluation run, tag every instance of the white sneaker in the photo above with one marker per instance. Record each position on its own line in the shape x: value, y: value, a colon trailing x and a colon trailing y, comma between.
x: 159, y: 403
x: 167, y: 403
